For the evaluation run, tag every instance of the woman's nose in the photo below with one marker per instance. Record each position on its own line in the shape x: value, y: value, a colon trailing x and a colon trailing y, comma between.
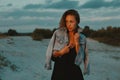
x: 69, y: 24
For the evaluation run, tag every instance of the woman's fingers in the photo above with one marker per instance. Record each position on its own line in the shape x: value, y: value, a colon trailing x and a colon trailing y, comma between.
x: 71, y: 45
x: 65, y: 50
x: 56, y: 54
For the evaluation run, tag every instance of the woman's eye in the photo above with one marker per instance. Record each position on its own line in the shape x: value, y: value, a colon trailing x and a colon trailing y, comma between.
x: 71, y: 21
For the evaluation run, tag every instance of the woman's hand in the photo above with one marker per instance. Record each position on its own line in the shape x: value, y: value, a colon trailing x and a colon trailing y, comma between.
x: 61, y: 52
x: 56, y: 53
x: 85, y: 67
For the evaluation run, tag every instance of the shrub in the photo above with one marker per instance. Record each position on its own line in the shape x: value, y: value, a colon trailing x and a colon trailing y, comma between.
x: 12, y: 32
x: 39, y: 34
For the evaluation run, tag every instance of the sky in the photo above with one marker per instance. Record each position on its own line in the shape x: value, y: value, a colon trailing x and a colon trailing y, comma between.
x: 27, y: 15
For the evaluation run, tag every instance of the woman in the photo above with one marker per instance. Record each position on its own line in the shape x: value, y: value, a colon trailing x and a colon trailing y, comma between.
x: 67, y: 48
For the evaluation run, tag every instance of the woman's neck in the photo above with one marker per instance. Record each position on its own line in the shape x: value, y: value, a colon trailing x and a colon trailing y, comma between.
x: 71, y: 39
x: 71, y: 36
x: 71, y: 33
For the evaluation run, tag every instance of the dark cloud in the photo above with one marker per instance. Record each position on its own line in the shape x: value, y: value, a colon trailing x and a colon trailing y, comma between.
x: 33, y: 6
x: 1, y: 5
x: 101, y: 3
x: 36, y: 17
x: 63, y: 4
x: 9, y: 4
x: 48, y: 1
x: 112, y: 13
x: 66, y: 4
x: 19, y: 18
x: 22, y: 13
x: 27, y: 22
x: 115, y: 3
x: 93, y: 4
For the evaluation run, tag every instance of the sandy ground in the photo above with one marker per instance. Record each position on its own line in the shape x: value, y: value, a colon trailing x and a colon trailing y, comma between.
x: 29, y: 57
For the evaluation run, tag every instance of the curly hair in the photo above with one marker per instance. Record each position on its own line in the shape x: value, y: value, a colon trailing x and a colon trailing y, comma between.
x: 73, y: 12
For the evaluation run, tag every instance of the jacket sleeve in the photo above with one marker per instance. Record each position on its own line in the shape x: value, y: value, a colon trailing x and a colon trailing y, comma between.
x: 86, y: 59
x: 49, y: 52
x: 83, y: 54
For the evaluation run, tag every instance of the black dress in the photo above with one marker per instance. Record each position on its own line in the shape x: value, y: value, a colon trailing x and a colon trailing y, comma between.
x: 65, y: 69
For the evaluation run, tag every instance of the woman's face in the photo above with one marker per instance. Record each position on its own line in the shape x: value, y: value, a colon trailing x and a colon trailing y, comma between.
x: 71, y: 22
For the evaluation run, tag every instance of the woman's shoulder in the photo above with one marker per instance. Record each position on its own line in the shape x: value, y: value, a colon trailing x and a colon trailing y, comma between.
x: 82, y: 36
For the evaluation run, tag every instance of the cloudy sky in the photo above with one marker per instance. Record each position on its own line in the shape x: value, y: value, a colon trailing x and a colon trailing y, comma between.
x: 26, y: 15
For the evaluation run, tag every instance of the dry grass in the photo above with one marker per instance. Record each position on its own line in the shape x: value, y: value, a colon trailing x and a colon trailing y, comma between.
x: 3, y: 36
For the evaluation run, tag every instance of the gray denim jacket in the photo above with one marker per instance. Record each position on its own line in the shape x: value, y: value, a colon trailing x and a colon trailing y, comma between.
x: 59, y: 40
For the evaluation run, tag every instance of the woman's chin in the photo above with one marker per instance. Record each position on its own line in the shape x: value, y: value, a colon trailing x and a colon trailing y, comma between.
x: 70, y: 30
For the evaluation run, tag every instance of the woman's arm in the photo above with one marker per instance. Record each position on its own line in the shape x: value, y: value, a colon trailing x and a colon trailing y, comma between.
x: 49, y: 52
x: 61, y: 52
x: 86, y: 61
